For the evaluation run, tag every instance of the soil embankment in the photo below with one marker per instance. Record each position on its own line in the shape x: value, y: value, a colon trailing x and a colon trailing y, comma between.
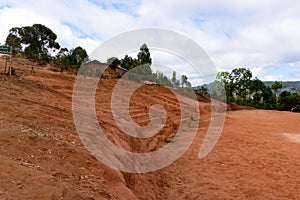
x: 42, y: 156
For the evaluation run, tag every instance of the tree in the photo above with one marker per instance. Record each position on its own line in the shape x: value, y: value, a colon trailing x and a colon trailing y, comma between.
x: 185, y: 82
x: 162, y: 79
x: 144, y: 55
x: 288, y: 100
x: 140, y: 67
x: 113, y: 61
x: 15, y: 43
x: 77, y: 57
x: 72, y: 59
x: 247, y: 90
x: 223, y: 77
x: 237, y: 81
x: 241, y: 79
x: 203, y: 90
x: 127, y: 62
x: 224, y: 80
x: 63, y: 59
x: 276, y: 86
x: 37, y: 39
x: 256, y: 87
x: 284, y: 101
x: 143, y: 59
x: 268, y: 98
x: 174, y: 80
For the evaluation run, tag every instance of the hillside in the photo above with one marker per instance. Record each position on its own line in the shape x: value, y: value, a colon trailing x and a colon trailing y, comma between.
x: 42, y: 156
x: 291, y: 86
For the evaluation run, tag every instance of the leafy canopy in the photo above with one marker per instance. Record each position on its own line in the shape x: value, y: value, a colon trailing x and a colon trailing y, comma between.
x: 38, y: 40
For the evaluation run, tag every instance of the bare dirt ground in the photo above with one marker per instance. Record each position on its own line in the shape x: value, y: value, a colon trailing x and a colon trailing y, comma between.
x: 42, y: 157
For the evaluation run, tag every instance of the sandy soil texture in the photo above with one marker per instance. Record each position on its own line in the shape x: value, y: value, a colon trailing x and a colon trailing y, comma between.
x: 42, y: 156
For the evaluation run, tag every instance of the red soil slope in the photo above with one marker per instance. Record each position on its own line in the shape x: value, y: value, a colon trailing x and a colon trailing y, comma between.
x: 42, y: 157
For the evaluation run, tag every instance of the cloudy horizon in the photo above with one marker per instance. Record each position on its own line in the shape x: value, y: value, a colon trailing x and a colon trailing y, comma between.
x: 260, y: 35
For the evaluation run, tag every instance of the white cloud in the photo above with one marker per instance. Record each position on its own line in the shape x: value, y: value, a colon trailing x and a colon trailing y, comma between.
x: 65, y: 35
x: 295, y: 64
x: 250, y: 33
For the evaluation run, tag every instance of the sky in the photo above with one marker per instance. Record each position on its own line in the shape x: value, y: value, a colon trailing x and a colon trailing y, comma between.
x: 263, y: 36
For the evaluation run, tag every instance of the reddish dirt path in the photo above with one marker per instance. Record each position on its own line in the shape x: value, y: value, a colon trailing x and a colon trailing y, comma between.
x: 42, y: 157
x: 252, y: 160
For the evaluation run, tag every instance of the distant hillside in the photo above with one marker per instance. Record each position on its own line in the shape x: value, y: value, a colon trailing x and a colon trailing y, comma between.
x: 291, y: 86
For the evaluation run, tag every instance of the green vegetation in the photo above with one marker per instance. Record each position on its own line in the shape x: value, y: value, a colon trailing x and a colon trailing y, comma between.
x: 140, y: 69
x: 38, y: 43
x: 37, y: 39
x: 69, y: 60
x: 240, y: 88
x: 290, y: 86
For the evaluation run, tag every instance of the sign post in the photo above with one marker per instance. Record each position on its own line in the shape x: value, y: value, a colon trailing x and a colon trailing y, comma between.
x: 10, y: 62
x: 6, y: 49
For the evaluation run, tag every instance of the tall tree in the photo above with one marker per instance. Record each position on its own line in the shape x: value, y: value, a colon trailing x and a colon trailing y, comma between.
x: 241, y: 78
x: 63, y: 59
x: 72, y: 59
x: 185, y: 82
x: 224, y: 80
x: 140, y: 67
x: 276, y: 86
x: 113, y: 61
x: 269, y: 98
x: 77, y: 57
x: 256, y: 85
x: 38, y: 41
x: 162, y: 79
x: 174, y: 80
x: 144, y: 55
x: 285, y: 101
x: 145, y: 60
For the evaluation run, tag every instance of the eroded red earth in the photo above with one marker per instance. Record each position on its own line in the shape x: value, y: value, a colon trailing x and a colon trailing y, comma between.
x: 42, y: 156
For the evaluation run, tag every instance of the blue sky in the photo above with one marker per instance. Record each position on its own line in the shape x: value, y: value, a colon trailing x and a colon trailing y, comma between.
x: 260, y: 35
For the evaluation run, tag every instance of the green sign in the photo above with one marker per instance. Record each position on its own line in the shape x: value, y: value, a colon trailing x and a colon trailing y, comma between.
x: 5, y: 49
